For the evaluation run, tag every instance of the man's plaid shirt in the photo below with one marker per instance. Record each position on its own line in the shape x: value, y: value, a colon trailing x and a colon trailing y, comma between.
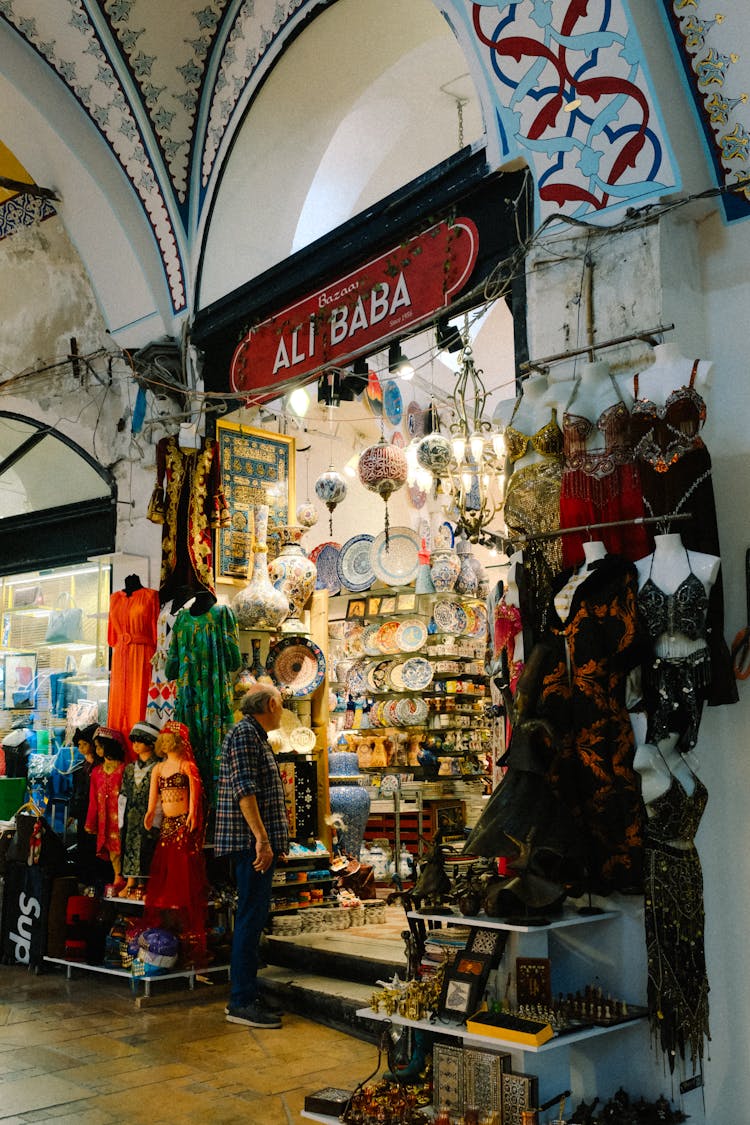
x: 248, y: 768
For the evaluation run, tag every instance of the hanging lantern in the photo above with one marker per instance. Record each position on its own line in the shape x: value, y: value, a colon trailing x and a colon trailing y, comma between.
x: 330, y: 487
x: 434, y: 452
x: 382, y: 468
x: 307, y: 515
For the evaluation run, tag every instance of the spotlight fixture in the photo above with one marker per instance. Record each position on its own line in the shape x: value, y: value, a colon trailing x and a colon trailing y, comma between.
x: 398, y: 364
x: 359, y: 376
x: 329, y: 388
x: 448, y: 336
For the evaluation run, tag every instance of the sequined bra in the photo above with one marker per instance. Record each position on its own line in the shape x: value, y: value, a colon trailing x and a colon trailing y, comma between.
x: 663, y: 434
x: 682, y: 612
x: 614, y: 424
x: 547, y: 442
x: 675, y: 814
x: 174, y: 781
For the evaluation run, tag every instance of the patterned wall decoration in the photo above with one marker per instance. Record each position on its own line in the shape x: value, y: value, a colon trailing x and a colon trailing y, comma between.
x: 707, y: 43
x: 23, y: 210
x: 572, y: 96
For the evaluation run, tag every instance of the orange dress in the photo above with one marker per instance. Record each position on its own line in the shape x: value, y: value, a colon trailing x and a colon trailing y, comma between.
x: 132, y: 638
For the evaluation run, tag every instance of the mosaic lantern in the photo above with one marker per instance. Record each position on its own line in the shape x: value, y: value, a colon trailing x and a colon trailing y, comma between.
x: 382, y: 468
x: 330, y: 487
x: 434, y: 452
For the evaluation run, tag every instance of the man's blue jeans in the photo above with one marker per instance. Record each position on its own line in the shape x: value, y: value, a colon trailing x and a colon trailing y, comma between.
x: 253, y: 904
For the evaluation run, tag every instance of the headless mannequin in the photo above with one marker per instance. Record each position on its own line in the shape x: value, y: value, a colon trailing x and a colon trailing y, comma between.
x: 595, y: 392
x: 668, y: 566
x: 657, y: 765
x: 593, y: 550
x: 132, y: 583
x: 188, y: 437
x: 531, y: 412
x: 511, y: 597
x: 671, y: 370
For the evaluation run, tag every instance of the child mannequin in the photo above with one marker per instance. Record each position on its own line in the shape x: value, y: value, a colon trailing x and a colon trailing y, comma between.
x: 177, y: 884
x: 105, y: 781
x: 138, y: 841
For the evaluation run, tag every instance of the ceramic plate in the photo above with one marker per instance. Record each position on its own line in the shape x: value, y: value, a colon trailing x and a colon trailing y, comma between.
x: 393, y: 404
x: 325, y: 556
x: 449, y: 617
x: 356, y: 680
x: 415, y: 420
x: 386, y: 638
x: 480, y: 625
x: 411, y: 712
x: 471, y: 620
x: 377, y: 677
x: 355, y: 641
x: 354, y: 566
x: 302, y: 739
x: 395, y: 676
x: 374, y: 394
x: 397, y: 438
x: 417, y: 496
x: 369, y: 642
x: 416, y: 673
x: 396, y: 564
x: 296, y: 664
x: 411, y: 635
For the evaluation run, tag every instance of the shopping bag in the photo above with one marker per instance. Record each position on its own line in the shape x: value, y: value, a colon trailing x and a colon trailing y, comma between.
x: 65, y: 623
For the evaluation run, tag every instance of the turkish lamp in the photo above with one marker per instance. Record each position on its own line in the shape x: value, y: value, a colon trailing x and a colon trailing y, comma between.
x: 382, y: 469
x: 330, y: 487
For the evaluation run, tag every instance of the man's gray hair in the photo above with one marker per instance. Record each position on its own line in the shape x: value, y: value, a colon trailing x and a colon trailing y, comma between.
x: 256, y: 699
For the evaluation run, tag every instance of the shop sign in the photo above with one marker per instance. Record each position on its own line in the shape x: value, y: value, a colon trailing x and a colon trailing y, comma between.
x: 356, y: 314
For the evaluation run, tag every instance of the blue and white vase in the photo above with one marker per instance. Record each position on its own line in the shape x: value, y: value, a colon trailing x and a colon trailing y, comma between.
x: 349, y: 800
x: 445, y: 567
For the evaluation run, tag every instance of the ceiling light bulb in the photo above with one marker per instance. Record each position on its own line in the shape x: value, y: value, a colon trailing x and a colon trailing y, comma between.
x: 423, y: 478
x: 466, y: 480
x: 299, y: 400
x: 476, y: 445
x: 405, y: 370
x: 350, y: 468
x: 498, y: 445
x: 458, y: 445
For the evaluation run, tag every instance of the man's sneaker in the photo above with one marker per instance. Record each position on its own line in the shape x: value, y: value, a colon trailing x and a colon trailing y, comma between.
x: 265, y: 1006
x: 252, y: 1015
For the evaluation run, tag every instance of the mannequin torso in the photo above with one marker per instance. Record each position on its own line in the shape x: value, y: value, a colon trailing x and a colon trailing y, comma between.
x: 593, y: 550
x: 531, y: 413
x: 668, y: 568
x: 596, y: 392
x: 658, y: 765
x: 670, y: 371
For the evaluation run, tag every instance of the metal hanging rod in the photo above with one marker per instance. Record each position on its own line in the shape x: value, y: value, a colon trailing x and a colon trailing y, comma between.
x: 647, y: 335
x: 586, y: 527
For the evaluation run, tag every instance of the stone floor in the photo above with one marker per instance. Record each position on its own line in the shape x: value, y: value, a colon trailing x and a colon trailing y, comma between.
x: 81, y: 1051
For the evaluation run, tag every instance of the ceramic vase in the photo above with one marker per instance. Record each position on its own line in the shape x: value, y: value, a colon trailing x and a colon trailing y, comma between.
x: 467, y: 581
x: 259, y: 605
x: 293, y: 574
x: 445, y: 566
x: 349, y: 800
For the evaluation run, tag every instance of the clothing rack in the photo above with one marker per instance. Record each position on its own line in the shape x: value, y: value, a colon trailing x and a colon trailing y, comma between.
x: 588, y: 527
x: 647, y: 335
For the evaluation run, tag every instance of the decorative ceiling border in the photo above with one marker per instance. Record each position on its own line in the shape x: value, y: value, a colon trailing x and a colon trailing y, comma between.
x: 75, y: 51
x: 704, y: 45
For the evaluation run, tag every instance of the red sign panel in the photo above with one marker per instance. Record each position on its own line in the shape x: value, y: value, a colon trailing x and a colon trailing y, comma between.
x: 374, y: 303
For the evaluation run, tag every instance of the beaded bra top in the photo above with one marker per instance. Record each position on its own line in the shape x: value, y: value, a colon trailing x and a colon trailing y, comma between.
x: 614, y: 424
x: 675, y: 814
x: 174, y: 781
x: 663, y: 434
x: 682, y: 612
x: 547, y: 442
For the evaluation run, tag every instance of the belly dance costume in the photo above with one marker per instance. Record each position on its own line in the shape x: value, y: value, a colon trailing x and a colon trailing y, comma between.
x: 675, y: 687
x: 178, y: 879
x: 674, y: 922
x: 532, y: 505
x: 675, y: 472
x: 599, y: 485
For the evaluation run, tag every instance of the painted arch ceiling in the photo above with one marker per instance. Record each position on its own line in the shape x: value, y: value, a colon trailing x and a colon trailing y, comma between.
x: 165, y: 84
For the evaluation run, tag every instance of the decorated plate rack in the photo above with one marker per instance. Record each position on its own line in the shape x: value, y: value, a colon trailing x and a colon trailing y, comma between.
x: 414, y: 679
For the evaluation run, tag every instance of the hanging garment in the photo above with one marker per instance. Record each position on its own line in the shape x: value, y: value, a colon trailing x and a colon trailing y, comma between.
x: 583, y: 698
x: 189, y: 501
x: 132, y: 637
x: 203, y: 652
x: 599, y: 485
x: 102, y: 818
x: 674, y: 922
x: 675, y: 473
x: 162, y: 692
x: 138, y: 842
x: 532, y: 505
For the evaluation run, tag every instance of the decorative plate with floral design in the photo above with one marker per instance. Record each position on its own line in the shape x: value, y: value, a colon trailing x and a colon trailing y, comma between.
x: 354, y: 565
x: 297, y: 665
x: 416, y: 673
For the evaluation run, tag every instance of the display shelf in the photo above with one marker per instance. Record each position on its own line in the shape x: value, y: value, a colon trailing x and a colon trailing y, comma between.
x: 470, y: 1038
x: 567, y: 919
x: 179, y: 974
x: 302, y: 906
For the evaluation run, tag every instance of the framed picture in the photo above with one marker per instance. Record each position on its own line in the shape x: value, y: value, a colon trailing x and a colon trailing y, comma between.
x: 19, y: 680
x: 374, y: 605
x: 489, y: 943
x: 257, y: 467
x: 355, y: 609
x: 387, y: 604
x: 462, y: 991
x: 406, y: 603
x: 533, y: 980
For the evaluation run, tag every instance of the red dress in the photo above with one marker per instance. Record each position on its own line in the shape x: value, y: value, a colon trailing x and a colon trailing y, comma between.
x: 177, y: 887
x: 132, y: 638
x: 601, y: 485
x: 101, y: 818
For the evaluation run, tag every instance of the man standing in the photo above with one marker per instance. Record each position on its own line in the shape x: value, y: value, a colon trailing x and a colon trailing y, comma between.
x: 251, y: 828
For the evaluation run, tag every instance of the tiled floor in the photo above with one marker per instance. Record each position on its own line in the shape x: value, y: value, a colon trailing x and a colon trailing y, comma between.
x: 81, y: 1052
